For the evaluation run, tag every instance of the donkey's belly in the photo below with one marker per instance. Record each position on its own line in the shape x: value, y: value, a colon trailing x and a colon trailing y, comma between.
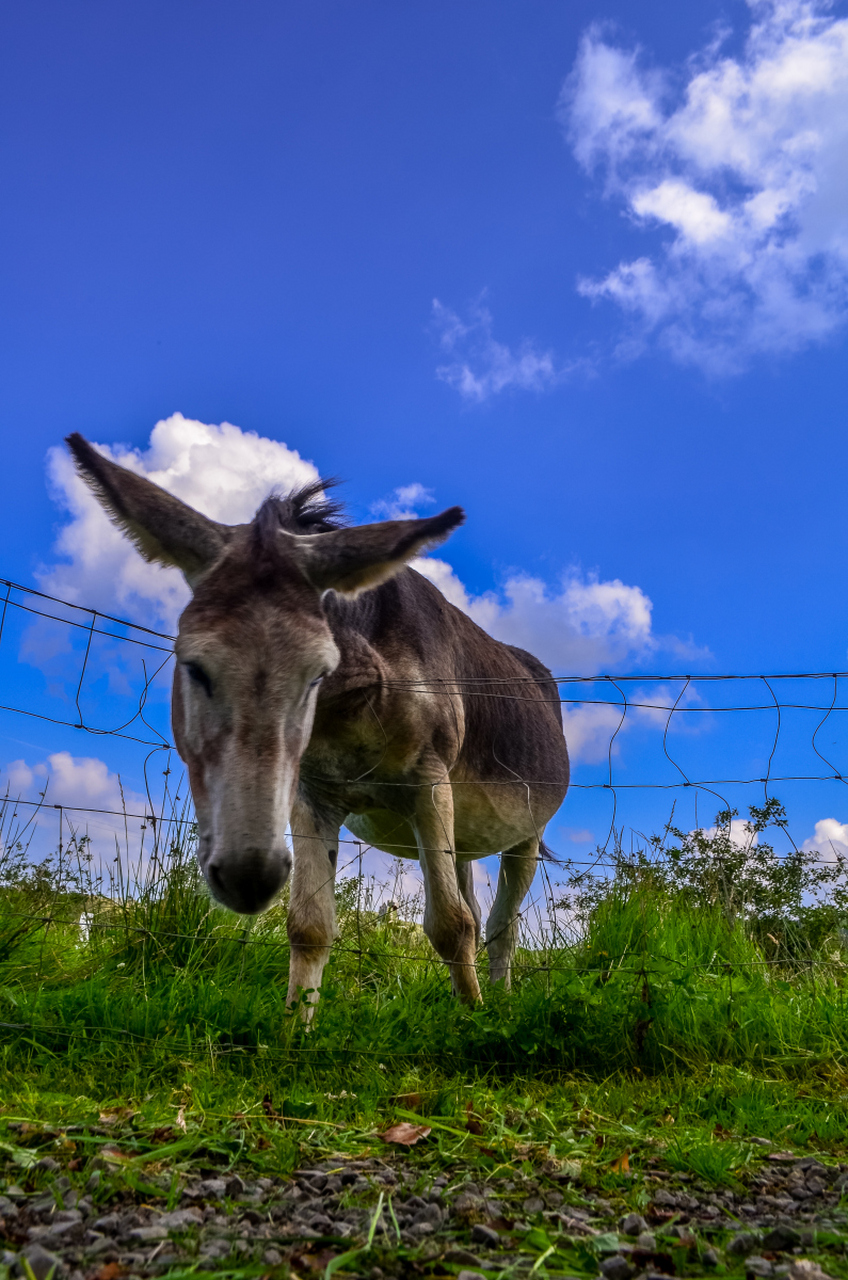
x: 481, y: 827
x: 384, y: 830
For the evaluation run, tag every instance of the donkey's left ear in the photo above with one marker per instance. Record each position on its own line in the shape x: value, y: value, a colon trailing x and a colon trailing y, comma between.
x: 353, y: 560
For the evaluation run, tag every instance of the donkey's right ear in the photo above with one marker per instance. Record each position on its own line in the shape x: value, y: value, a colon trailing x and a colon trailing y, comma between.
x: 163, y: 528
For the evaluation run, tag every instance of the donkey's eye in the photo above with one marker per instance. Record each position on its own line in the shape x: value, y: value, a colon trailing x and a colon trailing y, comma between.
x: 199, y: 677
x: 313, y: 684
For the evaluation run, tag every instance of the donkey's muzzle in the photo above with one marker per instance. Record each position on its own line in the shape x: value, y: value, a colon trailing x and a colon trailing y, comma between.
x: 246, y: 882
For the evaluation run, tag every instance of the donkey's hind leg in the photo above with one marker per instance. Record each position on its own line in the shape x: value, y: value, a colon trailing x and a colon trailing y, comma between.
x: 465, y: 880
x: 518, y: 866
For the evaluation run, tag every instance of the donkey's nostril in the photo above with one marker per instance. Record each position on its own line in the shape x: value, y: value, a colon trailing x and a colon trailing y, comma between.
x: 216, y: 883
x: 247, y: 882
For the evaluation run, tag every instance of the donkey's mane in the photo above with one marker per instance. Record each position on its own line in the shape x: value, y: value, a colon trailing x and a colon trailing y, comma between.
x: 304, y: 510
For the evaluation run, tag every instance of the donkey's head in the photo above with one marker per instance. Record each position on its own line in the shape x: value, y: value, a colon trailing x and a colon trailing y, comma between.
x: 253, y: 647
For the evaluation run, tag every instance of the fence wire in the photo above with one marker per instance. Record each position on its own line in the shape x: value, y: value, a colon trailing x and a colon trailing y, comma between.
x: 672, y: 710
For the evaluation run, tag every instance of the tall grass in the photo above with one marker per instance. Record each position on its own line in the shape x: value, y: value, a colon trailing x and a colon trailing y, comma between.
x: 136, y: 979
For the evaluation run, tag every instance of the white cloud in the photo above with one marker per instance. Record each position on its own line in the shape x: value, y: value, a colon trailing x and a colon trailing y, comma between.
x: 403, y: 503
x: 222, y: 471
x: 830, y: 840
x: 81, y: 785
x: 480, y: 366
x: 746, y: 165
x: 739, y: 833
x: 581, y: 627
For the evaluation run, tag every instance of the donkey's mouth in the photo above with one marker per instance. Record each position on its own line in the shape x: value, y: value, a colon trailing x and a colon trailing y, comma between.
x: 247, y: 882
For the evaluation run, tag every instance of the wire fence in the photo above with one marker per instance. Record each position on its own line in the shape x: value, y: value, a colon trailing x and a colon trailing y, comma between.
x: 85, y: 673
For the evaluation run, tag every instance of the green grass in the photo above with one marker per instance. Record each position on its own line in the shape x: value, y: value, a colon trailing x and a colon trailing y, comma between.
x: 664, y: 1027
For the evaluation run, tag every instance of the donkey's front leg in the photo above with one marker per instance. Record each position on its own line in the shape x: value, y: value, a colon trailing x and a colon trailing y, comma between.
x: 448, y: 922
x: 312, y: 908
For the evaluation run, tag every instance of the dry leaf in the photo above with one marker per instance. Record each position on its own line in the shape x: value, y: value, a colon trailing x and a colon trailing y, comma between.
x: 404, y: 1134
x: 114, y: 1155
x: 180, y: 1121
x: 410, y: 1101
x: 622, y: 1164
x: 110, y: 1271
x: 471, y: 1123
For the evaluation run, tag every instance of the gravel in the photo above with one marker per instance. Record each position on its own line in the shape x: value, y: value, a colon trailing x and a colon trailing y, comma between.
x: 214, y: 1220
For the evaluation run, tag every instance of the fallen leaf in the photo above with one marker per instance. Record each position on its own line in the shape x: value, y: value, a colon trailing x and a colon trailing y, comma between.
x: 180, y: 1121
x: 622, y: 1164
x: 165, y: 1134
x: 472, y: 1124
x: 114, y: 1155
x: 404, y: 1134
x: 409, y: 1101
x: 110, y: 1271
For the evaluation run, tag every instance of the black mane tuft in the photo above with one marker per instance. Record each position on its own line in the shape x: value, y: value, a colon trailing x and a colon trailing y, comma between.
x: 304, y: 510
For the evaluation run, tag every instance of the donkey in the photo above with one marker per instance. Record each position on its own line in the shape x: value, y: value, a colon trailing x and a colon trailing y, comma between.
x: 321, y: 682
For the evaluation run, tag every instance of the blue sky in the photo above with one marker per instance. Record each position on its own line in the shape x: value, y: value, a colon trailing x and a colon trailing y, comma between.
x: 579, y: 267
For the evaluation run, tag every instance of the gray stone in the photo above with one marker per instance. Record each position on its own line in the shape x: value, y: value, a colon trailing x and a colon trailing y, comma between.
x: 272, y: 1258
x: 744, y: 1242
x: 616, y: 1268
x: 664, y: 1199
x: 485, y: 1235
x: 109, y: 1223
x: 633, y: 1224
x: 710, y: 1258
x: 214, y: 1187
x: 533, y: 1204
x: 467, y: 1202
x: 646, y: 1240
x: 428, y: 1213
x: 781, y: 1238
x: 470, y: 1275
x: 757, y: 1266
x: 48, y: 1164
x: 180, y: 1219
x: 806, y: 1269
x: 41, y: 1263
x: 147, y: 1234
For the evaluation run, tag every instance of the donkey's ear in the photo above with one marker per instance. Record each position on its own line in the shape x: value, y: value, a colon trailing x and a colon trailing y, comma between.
x: 162, y: 527
x: 352, y: 560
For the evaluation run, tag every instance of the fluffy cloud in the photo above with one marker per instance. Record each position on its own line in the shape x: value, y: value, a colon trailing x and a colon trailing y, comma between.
x: 479, y: 366
x: 222, y: 471
x: 830, y: 840
x: 745, y: 165
x: 404, y: 502
x: 82, y: 783
x: 584, y: 625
